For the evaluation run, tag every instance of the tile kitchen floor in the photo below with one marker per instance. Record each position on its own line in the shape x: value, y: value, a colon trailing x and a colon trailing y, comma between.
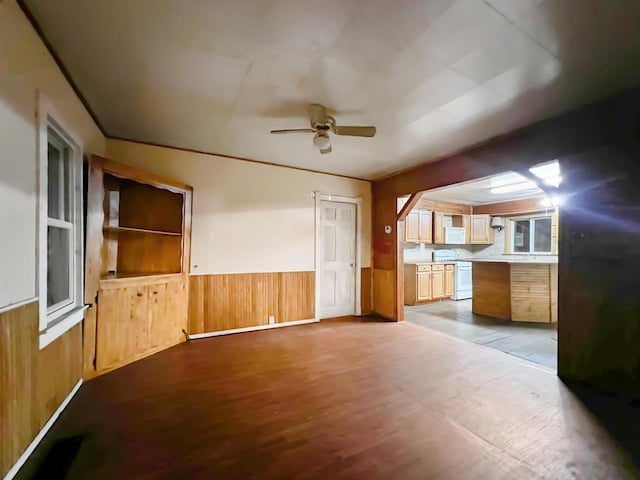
x: 534, y: 342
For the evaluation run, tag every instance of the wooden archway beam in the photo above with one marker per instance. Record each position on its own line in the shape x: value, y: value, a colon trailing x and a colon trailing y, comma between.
x: 413, y: 199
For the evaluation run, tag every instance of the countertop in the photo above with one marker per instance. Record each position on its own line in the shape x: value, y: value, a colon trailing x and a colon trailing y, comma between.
x: 428, y: 262
x: 550, y: 261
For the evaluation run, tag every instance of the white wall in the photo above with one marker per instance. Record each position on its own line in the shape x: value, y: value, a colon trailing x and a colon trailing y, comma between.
x: 26, y: 66
x: 247, y: 217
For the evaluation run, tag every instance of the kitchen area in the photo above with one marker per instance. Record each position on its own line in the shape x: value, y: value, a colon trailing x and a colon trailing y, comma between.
x: 481, y: 262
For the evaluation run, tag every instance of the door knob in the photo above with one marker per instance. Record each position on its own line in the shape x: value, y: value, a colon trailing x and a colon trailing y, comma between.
x: 353, y: 265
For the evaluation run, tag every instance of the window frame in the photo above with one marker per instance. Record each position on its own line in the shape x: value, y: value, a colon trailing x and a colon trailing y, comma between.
x: 532, y: 231
x: 54, y: 321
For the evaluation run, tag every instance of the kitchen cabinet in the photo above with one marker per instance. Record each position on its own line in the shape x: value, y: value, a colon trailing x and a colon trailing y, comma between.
x: 417, y: 227
x: 424, y: 286
x: 438, y: 227
x: 437, y: 282
x: 448, y: 281
x: 480, y: 229
x: 425, y: 282
x: 466, y: 223
x: 412, y: 227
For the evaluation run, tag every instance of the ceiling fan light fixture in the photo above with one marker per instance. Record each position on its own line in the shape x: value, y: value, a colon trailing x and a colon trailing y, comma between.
x: 321, y: 140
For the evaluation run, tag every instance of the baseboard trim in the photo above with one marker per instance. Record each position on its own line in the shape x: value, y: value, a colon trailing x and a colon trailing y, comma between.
x: 34, y: 443
x: 195, y: 336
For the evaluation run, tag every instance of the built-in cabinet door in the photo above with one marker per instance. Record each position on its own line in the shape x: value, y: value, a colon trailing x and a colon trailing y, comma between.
x: 438, y: 227
x: 412, y: 227
x: 425, y: 226
x: 448, y: 281
x: 437, y: 284
x: 481, y: 229
x: 134, y: 321
x: 424, y: 286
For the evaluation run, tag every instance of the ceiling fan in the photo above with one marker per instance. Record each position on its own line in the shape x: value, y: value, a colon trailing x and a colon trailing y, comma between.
x: 322, y: 124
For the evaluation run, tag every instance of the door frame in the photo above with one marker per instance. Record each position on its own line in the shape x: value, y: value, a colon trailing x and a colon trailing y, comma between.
x: 319, y: 237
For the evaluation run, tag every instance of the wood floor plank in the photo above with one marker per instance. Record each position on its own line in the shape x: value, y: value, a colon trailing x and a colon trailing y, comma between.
x: 353, y: 398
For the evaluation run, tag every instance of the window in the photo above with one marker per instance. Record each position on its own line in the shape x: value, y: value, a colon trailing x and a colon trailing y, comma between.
x: 531, y: 235
x: 60, y: 245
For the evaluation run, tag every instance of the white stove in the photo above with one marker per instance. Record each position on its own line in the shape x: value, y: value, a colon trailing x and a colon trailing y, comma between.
x: 462, y: 274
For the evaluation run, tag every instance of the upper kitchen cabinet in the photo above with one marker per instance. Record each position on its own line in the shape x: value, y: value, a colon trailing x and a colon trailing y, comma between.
x: 450, y: 228
x: 438, y: 227
x: 480, y: 231
x: 418, y: 227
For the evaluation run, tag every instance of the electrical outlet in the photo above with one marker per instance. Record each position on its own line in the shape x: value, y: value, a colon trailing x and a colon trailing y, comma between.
x: 272, y: 319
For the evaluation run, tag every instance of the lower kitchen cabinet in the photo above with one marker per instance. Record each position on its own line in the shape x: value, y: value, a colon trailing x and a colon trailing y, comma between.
x: 437, y: 282
x: 426, y: 282
x: 424, y: 286
x: 448, y: 281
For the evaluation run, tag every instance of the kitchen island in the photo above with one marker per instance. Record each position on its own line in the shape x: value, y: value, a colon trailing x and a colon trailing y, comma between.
x: 518, y: 290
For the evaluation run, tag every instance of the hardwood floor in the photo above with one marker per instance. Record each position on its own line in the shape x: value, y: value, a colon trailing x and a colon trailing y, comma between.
x: 339, y: 399
x: 536, y: 342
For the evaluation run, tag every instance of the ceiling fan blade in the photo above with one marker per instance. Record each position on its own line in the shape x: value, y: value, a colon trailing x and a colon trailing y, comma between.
x: 355, y: 131
x: 317, y: 114
x: 294, y: 130
x: 326, y: 150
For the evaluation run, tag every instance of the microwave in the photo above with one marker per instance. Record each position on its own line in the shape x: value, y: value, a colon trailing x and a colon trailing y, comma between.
x: 455, y: 235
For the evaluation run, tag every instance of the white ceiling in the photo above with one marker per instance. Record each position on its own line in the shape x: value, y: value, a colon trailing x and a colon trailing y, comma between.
x: 478, y: 192
x: 434, y: 76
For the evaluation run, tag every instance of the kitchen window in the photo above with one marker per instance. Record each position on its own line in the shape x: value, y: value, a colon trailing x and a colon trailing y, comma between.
x: 60, y: 240
x: 531, y: 235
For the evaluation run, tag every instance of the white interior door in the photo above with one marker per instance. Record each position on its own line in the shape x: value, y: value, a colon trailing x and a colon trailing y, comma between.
x: 337, y: 259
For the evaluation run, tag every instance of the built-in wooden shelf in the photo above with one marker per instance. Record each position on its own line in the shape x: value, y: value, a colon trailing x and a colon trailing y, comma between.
x: 108, y: 228
x: 138, y: 276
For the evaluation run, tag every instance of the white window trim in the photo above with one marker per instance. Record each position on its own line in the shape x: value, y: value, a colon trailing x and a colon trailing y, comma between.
x: 58, y: 319
x: 532, y: 232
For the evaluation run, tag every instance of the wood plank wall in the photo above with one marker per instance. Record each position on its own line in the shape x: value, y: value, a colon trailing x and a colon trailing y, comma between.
x: 33, y: 382
x: 366, y: 283
x: 532, y: 295
x: 384, y: 293
x: 491, y: 289
x: 230, y: 301
x: 526, y: 205
x: 599, y: 304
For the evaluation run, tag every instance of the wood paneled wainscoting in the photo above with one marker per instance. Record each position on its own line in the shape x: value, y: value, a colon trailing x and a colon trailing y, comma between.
x: 33, y: 382
x: 231, y: 301
x: 220, y: 302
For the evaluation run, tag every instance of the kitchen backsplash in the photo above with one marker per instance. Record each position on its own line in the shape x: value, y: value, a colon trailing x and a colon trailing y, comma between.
x: 496, y: 250
x: 416, y: 252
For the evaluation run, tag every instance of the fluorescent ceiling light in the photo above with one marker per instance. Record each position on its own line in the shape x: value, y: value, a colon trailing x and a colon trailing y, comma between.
x: 553, y: 181
x: 506, y: 179
x: 515, y: 187
x: 554, y: 201
x: 547, y: 172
